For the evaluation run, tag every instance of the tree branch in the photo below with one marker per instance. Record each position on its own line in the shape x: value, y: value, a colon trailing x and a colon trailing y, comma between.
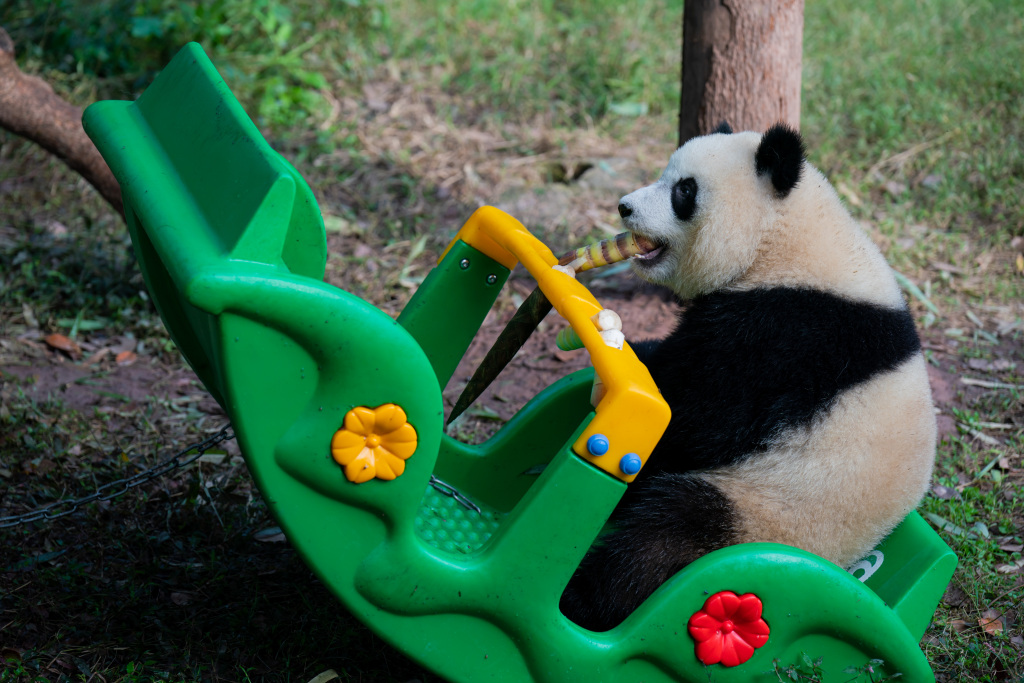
x: 30, y: 108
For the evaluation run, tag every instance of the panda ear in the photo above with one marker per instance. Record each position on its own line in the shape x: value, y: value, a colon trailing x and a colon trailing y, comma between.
x: 723, y: 127
x: 781, y: 156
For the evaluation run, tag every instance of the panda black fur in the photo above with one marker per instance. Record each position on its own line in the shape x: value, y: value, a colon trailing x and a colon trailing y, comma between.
x: 801, y: 412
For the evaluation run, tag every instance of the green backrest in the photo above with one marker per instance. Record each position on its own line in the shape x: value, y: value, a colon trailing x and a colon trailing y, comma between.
x: 200, y: 184
x: 910, y: 571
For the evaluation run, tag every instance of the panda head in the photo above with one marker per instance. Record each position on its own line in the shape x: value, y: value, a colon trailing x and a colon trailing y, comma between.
x: 704, y: 220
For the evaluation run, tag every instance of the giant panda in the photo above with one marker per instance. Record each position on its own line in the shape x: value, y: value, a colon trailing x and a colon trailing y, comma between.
x: 801, y: 411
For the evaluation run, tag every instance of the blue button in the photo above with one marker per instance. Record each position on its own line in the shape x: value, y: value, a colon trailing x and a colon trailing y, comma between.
x: 597, y: 444
x: 630, y: 464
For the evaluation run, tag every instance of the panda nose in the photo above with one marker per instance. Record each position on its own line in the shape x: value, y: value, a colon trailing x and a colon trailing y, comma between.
x: 625, y: 211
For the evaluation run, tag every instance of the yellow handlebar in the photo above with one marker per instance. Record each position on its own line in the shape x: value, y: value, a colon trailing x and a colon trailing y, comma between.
x: 632, y: 415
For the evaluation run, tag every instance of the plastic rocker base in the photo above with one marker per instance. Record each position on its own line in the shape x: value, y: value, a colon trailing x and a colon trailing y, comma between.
x: 325, y: 390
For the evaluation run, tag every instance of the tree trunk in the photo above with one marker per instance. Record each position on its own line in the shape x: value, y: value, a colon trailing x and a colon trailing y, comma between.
x: 741, y: 65
x: 30, y: 108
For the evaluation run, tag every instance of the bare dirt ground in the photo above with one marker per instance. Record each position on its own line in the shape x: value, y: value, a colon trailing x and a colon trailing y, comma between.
x: 158, y: 386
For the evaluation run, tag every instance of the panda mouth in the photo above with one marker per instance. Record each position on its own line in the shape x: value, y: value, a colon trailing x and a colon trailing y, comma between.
x: 650, y: 251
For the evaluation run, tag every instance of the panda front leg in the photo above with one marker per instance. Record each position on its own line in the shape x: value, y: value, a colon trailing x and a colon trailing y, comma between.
x: 660, y: 526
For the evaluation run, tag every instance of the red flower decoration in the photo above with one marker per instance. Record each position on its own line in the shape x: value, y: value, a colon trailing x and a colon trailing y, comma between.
x: 728, y: 629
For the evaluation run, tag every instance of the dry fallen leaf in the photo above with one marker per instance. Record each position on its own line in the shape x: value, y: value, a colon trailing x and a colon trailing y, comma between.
x: 270, y: 535
x: 38, y: 466
x: 984, y: 261
x: 29, y: 316
x: 57, y: 229
x: 959, y: 625
x: 564, y: 356
x: 328, y: 675
x: 895, y: 188
x: 181, y: 599
x: 62, y: 343
x: 126, y: 358
x: 100, y: 355
x: 119, y: 344
x: 1019, y: 262
x: 1011, y: 568
x: 991, y: 622
x: 947, y: 267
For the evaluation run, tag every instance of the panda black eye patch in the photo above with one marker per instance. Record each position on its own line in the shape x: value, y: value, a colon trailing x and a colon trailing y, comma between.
x: 684, y: 198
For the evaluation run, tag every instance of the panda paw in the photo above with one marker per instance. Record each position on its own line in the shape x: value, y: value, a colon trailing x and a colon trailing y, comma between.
x: 609, y: 324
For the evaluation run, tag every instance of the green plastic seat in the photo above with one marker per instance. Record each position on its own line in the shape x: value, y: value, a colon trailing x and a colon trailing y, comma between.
x: 232, y: 247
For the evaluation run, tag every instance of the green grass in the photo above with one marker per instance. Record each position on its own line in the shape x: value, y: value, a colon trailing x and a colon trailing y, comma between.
x: 570, y: 61
x: 912, y: 109
x: 904, y: 92
x: 516, y: 60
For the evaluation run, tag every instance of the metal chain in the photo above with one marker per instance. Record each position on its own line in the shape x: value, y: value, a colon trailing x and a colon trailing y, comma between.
x: 449, y: 490
x: 62, y: 508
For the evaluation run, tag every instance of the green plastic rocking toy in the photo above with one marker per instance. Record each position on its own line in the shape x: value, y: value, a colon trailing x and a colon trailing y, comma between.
x: 337, y: 408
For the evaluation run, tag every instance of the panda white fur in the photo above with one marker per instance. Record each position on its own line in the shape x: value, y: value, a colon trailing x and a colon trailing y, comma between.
x: 801, y: 412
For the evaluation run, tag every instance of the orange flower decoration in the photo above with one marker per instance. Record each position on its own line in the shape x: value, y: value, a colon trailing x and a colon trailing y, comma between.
x: 375, y: 442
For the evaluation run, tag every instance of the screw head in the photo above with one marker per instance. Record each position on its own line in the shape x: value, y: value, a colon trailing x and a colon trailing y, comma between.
x: 464, y: 263
x: 492, y: 278
x: 630, y: 464
x: 597, y: 444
